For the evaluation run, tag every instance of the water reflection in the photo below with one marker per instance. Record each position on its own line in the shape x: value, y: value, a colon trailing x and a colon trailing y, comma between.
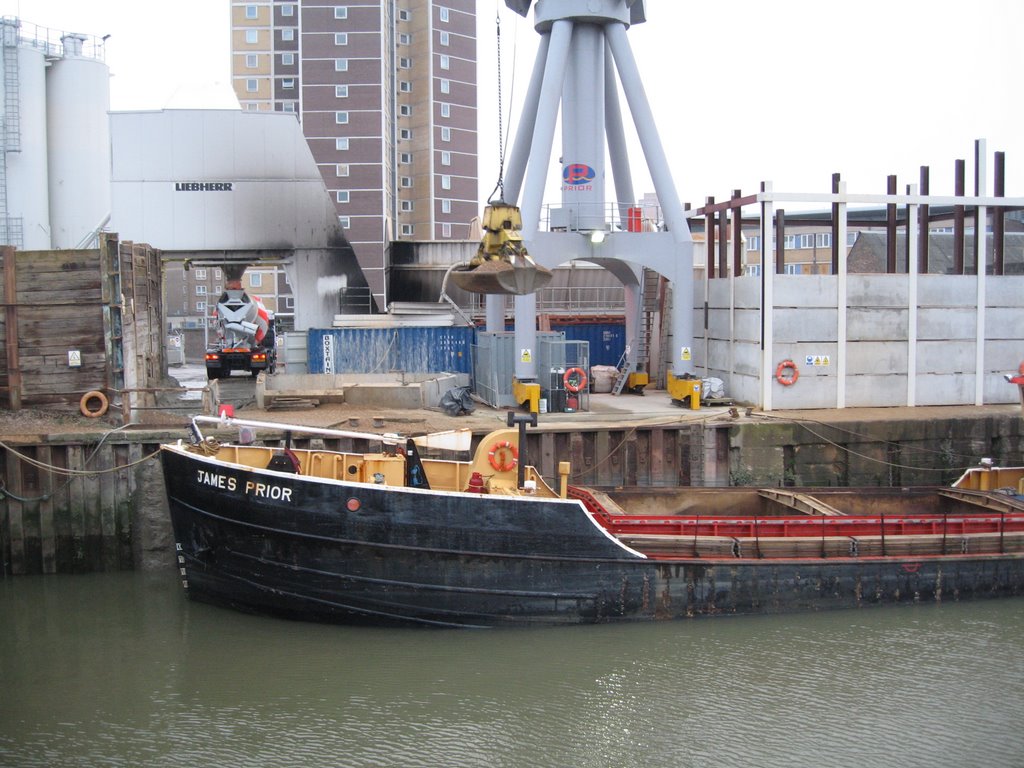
x: 122, y: 670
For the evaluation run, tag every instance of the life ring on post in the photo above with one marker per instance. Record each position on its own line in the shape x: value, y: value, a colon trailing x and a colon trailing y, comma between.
x: 512, y: 456
x: 86, y: 401
x: 575, y: 379
x: 783, y: 379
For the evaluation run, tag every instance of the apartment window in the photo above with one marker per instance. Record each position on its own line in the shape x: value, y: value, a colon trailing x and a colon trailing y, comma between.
x: 446, y: 109
x: 288, y: 106
x: 404, y: 15
x: 752, y: 269
x: 405, y: 110
x: 788, y: 242
x: 446, y: 85
x: 340, y: 13
x: 851, y: 238
x: 405, y: 157
x: 341, y: 169
x: 445, y: 38
x: 341, y: 196
x: 252, y: 36
x: 446, y: 133
x: 288, y: 59
x: 824, y: 239
x: 200, y: 290
x: 793, y: 269
x: 806, y: 241
x: 446, y: 230
x: 408, y: 230
x: 217, y: 275
x: 341, y: 118
x: 217, y: 289
x: 200, y: 274
x: 404, y: 38
x: 754, y: 243
x: 256, y: 279
x: 446, y: 182
x: 406, y: 181
x: 288, y: 33
x: 405, y: 134
x: 345, y: 222
x: 251, y: 12
x: 446, y: 158
x: 341, y: 145
x: 251, y: 85
x: 406, y: 206
x: 200, y: 306
x: 405, y: 86
x: 341, y: 65
x: 252, y: 60
x: 404, y: 63
x: 446, y: 205
x: 446, y: 62
x: 341, y: 38
x: 288, y: 83
x: 287, y: 10
x: 341, y: 91
x: 444, y: 14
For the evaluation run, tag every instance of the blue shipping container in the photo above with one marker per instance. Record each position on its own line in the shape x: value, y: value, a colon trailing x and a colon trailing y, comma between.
x: 379, y: 350
x: 607, y: 340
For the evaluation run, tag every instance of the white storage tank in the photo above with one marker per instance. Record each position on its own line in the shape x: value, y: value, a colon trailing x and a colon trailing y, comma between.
x: 78, y: 135
x: 28, y: 206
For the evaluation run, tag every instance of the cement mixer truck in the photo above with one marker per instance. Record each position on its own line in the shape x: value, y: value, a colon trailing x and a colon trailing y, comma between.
x: 245, y: 336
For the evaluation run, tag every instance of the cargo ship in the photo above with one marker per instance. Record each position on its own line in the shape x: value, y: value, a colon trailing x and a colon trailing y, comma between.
x: 404, y: 535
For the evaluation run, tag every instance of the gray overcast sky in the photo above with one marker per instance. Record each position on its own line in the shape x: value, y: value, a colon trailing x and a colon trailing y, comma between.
x: 743, y: 91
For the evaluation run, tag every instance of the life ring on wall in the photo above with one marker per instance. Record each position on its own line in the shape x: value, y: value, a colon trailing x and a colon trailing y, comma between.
x: 782, y: 378
x: 513, y: 456
x: 87, y: 398
x: 575, y: 379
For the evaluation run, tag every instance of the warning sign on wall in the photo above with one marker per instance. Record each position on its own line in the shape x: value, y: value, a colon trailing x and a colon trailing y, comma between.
x: 685, y: 354
x: 525, y: 356
x: 818, y: 360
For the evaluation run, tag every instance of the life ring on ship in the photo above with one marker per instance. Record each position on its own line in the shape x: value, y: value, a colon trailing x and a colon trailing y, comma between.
x: 87, y: 398
x: 782, y: 378
x: 575, y: 379
x: 513, y: 456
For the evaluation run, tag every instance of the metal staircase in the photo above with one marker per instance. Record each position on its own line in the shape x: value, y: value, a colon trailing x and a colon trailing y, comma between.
x: 10, y: 130
x: 650, y: 309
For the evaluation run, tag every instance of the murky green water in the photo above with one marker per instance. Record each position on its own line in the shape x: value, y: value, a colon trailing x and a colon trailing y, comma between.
x: 121, y: 670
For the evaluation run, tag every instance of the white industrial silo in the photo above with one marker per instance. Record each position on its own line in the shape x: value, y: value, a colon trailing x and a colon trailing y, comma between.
x: 26, y: 181
x: 78, y: 136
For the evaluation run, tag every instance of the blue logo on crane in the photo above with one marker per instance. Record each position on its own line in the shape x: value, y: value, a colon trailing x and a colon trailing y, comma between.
x: 578, y: 174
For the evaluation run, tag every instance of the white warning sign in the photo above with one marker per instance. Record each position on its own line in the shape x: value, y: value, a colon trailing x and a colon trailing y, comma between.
x: 526, y: 356
x: 685, y: 354
x: 817, y: 360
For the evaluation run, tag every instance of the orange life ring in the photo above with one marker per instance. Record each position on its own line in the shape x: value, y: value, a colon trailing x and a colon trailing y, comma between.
x: 575, y: 384
x: 787, y: 380
x: 513, y: 456
x: 88, y: 397
x: 1020, y: 369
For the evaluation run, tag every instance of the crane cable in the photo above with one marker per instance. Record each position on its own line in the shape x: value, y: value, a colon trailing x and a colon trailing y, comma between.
x: 500, y: 186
